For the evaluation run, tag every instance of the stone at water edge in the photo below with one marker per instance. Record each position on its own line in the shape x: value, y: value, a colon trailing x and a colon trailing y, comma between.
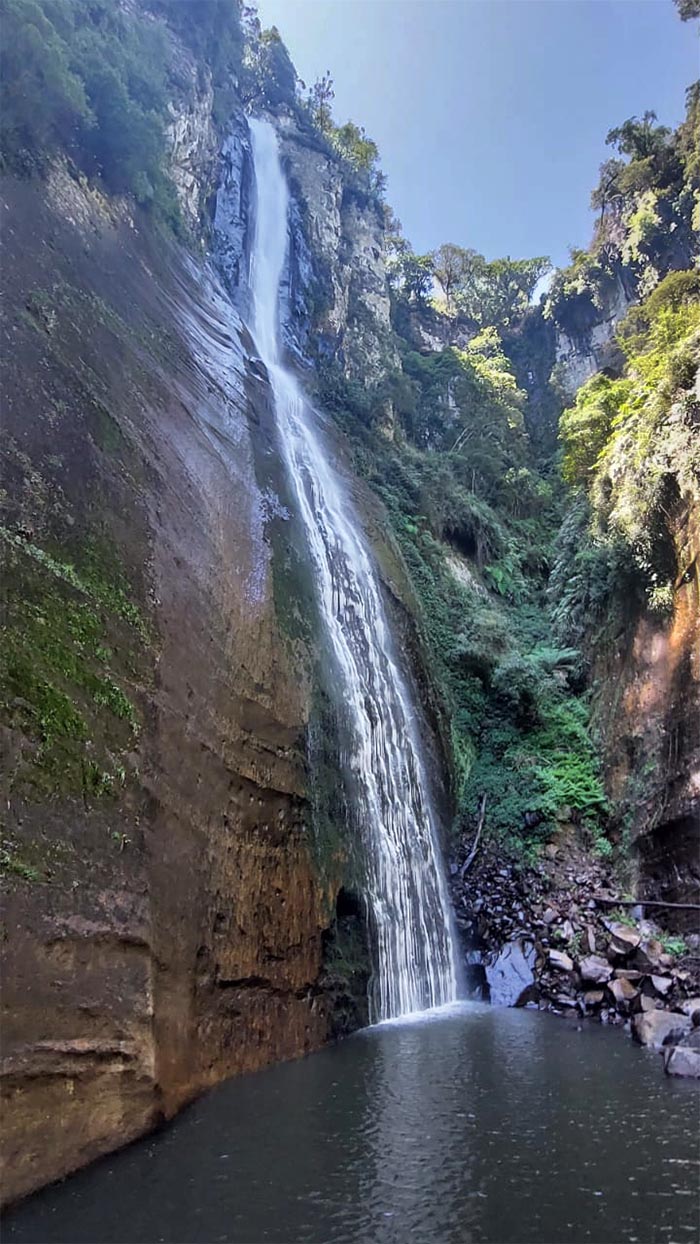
x: 623, y: 991
x: 593, y: 997
x: 511, y: 977
x: 683, y: 1061
x: 595, y: 968
x: 558, y: 959
x: 653, y: 1027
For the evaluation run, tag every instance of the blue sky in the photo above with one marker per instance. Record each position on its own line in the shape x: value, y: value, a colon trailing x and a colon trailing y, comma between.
x: 491, y: 115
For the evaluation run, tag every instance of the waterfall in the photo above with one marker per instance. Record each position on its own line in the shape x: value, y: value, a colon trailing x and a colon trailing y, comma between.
x: 414, y: 964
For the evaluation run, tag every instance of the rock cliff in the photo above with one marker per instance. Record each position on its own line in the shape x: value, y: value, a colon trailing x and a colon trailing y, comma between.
x: 170, y: 908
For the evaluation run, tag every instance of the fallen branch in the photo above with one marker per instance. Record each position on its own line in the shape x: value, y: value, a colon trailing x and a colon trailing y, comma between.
x: 644, y: 902
x: 475, y: 845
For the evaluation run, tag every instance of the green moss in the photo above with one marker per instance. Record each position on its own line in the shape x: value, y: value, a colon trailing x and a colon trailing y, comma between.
x: 60, y: 667
x: 13, y: 865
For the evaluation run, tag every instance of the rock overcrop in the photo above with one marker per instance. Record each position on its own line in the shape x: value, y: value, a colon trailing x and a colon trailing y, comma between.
x: 583, y: 955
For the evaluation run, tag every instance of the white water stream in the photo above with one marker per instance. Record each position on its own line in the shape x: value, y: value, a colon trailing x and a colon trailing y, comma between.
x: 413, y: 949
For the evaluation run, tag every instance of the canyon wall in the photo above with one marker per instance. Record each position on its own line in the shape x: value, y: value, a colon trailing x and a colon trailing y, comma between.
x: 170, y: 912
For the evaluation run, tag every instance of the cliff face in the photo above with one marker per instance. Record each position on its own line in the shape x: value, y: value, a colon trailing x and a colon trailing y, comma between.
x: 178, y: 907
x: 337, y: 273
x: 580, y: 356
x: 167, y: 903
x: 648, y: 714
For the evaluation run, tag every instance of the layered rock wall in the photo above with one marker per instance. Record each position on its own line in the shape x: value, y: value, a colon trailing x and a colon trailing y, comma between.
x: 166, y: 907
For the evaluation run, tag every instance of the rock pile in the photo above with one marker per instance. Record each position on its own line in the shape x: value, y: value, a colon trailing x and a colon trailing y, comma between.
x: 551, y: 936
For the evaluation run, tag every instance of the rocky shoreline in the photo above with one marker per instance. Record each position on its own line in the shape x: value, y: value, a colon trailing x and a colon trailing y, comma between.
x: 554, y: 935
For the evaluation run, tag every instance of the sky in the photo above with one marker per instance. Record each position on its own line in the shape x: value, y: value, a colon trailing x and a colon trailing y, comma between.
x: 491, y: 115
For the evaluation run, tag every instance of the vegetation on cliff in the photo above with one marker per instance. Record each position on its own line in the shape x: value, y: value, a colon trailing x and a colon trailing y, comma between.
x: 518, y: 554
x: 94, y: 81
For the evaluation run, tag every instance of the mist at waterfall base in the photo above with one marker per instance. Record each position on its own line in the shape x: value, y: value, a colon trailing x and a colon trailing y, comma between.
x: 414, y: 960
x: 491, y: 1125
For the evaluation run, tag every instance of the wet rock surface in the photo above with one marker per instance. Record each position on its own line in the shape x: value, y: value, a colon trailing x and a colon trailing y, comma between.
x: 173, y: 931
x: 682, y: 1054
x: 550, y: 935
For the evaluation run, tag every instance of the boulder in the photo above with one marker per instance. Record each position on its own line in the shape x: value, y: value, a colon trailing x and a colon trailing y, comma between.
x: 649, y: 956
x: 683, y: 1059
x: 690, y: 1006
x: 628, y: 974
x: 644, y: 1002
x: 623, y: 991
x: 511, y: 977
x: 623, y: 939
x: 595, y: 968
x: 662, y: 984
x: 652, y: 1028
x: 593, y: 997
x: 590, y: 939
x: 558, y: 959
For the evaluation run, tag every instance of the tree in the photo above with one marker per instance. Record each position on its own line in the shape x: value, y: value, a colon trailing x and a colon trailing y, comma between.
x: 416, y: 276
x: 450, y: 265
x: 502, y: 289
x: 320, y: 98
x: 640, y: 140
x: 490, y: 293
x: 688, y: 9
x: 608, y: 187
x: 42, y: 101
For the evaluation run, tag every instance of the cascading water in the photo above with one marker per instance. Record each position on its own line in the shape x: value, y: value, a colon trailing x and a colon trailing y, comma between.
x: 414, y: 956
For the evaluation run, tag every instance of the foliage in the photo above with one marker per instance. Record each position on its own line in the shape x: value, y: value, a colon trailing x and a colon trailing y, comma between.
x: 673, y: 945
x: 586, y: 427
x: 89, y: 80
x: 412, y: 275
x: 578, y: 293
x: 688, y: 9
x: 489, y: 293
x: 640, y: 140
x: 476, y: 561
x: 319, y: 101
x: 633, y: 443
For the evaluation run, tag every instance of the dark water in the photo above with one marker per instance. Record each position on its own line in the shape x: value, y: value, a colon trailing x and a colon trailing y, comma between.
x: 483, y: 1125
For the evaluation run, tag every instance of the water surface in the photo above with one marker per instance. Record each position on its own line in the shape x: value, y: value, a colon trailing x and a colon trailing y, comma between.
x: 481, y: 1125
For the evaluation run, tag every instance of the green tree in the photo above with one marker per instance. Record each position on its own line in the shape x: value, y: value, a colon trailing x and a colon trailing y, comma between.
x: 320, y: 100
x: 640, y: 140
x: 416, y: 274
x: 451, y: 264
x: 688, y: 9
x: 43, y: 104
x: 499, y: 292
